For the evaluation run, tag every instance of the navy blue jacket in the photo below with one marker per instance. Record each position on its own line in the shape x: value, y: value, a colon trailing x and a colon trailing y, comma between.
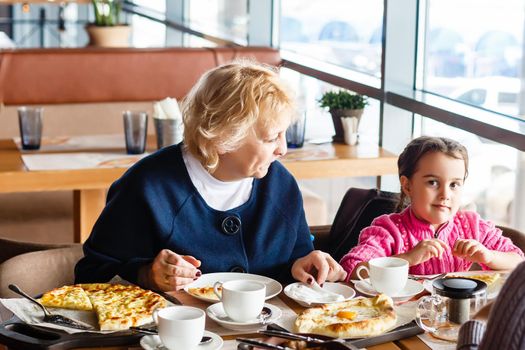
x: 154, y: 205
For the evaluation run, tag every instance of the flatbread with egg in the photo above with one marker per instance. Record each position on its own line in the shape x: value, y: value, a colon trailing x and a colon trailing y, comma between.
x: 356, y: 318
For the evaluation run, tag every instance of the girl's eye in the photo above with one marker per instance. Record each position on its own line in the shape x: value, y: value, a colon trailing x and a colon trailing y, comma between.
x: 432, y: 183
x: 455, y: 185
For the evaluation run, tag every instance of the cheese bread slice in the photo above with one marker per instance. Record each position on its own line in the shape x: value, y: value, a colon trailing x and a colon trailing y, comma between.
x: 67, y: 297
x: 119, y: 307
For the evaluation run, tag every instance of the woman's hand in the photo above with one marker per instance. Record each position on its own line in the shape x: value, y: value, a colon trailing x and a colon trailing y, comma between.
x: 319, y: 262
x: 170, y: 271
x: 472, y: 250
x: 424, y: 250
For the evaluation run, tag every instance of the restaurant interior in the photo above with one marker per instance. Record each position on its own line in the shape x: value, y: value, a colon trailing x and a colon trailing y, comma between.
x: 425, y: 67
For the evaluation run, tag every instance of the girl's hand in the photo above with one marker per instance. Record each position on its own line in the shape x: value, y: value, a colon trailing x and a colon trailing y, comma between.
x: 425, y: 250
x: 472, y: 250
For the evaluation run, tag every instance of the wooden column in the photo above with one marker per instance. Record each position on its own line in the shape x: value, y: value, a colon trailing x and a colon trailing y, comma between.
x: 88, y: 205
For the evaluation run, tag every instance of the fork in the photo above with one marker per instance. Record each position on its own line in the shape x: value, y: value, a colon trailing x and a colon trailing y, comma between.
x: 48, y: 317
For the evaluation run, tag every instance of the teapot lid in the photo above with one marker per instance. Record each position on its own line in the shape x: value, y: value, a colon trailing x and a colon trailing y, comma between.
x: 459, y: 287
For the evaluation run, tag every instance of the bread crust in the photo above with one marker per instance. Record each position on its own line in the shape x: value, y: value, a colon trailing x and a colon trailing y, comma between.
x: 373, y: 316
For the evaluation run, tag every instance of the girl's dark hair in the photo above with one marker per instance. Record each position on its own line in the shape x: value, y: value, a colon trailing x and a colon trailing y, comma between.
x: 417, y: 148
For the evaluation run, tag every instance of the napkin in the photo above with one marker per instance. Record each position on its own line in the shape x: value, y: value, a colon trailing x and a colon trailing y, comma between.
x: 317, y: 295
x: 167, y: 109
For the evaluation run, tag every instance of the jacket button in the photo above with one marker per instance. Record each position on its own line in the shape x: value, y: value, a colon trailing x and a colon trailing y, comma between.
x: 231, y: 225
x: 238, y: 269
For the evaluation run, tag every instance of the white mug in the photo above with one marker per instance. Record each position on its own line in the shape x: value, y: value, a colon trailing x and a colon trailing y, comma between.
x: 242, y: 300
x: 180, y: 327
x: 388, y: 275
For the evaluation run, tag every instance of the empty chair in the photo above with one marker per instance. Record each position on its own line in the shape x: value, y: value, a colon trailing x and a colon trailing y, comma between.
x: 36, y: 268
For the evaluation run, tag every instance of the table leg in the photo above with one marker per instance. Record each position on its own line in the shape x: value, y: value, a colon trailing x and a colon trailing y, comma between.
x: 87, y: 206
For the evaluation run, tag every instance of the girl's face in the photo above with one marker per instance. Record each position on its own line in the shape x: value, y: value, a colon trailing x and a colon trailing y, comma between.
x: 435, y: 188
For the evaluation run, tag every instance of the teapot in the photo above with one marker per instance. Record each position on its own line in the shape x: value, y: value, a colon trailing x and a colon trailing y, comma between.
x: 453, y: 302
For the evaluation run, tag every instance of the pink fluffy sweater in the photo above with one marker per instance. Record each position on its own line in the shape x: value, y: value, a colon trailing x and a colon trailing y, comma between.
x: 398, y: 233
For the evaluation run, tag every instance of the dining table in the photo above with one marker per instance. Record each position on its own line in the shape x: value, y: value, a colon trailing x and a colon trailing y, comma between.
x: 230, y: 343
x: 89, y: 185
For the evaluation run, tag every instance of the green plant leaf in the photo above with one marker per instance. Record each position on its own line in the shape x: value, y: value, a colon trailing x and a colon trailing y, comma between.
x: 107, y: 12
x: 343, y: 99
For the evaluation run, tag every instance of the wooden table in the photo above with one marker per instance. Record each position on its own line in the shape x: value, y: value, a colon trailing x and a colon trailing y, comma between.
x: 412, y: 343
x: 89, y: 185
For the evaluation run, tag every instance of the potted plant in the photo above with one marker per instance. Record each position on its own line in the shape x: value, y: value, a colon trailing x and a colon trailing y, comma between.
x: 107, y: 31
x: 343, y: 104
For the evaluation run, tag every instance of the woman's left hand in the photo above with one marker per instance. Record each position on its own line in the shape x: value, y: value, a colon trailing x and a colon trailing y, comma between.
x: 472, y: 250
x: 319, y: 262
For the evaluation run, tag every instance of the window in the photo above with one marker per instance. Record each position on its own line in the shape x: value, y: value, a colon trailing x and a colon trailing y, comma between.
x: 333, y: 31
x: 147, y: 33
x: 227, y: 19
x: 473, y: 52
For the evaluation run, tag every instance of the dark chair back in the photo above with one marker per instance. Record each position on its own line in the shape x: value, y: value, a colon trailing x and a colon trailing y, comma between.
x: 357, y: 210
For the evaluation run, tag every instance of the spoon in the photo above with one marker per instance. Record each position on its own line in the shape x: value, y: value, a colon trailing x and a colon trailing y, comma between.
x: 265, y: 315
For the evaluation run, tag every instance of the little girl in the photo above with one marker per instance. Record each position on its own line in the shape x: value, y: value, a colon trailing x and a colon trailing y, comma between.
x: 431, y: 234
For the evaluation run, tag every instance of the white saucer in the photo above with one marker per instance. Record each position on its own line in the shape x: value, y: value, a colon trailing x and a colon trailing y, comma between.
x: 412, y: 288
x: 339, y: 288
x: 152, y: 342
x: 216, y: 313
x: 273, y: 287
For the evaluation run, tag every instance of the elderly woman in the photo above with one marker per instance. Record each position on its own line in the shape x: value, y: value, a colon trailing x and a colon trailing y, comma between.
x: 216, y: 202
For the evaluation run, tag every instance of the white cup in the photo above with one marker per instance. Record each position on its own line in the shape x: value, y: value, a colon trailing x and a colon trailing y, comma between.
x: 242, y: 300
x: 388, y: 275
x: 180, y: 327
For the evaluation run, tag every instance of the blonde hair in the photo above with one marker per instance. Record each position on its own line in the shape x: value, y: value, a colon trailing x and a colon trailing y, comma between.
x: 226, y: 103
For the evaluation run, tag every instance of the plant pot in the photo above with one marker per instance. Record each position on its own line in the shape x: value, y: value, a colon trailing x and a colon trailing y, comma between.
x: 338, y: 126
x: 115, y: 36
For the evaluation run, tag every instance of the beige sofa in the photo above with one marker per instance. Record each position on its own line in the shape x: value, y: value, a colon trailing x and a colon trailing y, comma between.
x: 84, y: 92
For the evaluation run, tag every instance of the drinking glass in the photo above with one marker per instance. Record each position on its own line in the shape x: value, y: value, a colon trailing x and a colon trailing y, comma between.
x: 136, y: 131
x: 295, y: 132
x: 30, y: 122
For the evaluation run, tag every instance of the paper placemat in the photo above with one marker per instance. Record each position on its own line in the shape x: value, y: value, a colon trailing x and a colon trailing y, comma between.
x: 76, y: 143
x: 30, y: 313
x: 75, y: 161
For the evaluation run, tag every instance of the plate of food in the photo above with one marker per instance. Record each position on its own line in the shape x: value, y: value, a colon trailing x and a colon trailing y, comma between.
x: 493, y: 279
x: 355, y: 318
x: 202, y: 288
x: 306, y: 295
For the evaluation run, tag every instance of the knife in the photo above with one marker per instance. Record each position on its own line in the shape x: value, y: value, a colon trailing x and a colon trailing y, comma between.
x: 262, y: 344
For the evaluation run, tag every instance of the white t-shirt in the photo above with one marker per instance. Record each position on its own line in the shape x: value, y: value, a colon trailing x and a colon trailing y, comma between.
x: 220, y: 195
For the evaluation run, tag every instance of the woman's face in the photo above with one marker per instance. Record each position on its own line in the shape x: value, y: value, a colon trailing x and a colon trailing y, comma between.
x: 258, y: 150
x: 435, y: 188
